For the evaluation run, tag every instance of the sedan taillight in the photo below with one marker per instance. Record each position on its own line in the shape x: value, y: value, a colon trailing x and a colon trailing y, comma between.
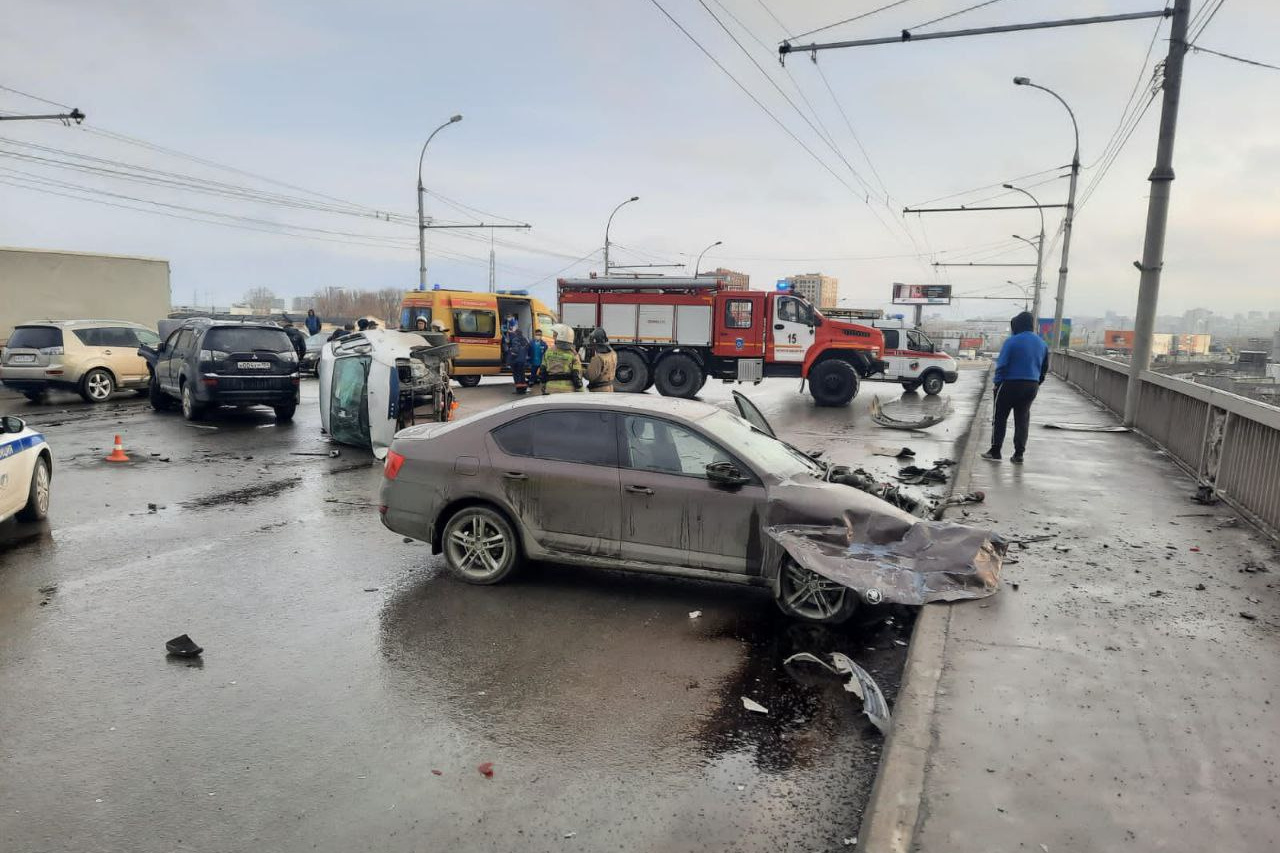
x: 391, y: 467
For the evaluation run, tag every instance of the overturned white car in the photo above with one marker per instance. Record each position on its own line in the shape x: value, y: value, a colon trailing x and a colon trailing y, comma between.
x: 376, y: 382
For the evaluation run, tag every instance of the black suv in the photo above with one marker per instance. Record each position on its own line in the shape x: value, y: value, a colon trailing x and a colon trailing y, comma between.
x: 207, y: 362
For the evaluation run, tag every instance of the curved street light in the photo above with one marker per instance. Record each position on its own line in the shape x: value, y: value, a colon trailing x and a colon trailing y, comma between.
x: 606, y: 230
x: 1039, y: 246
x: 422, y: 225
x: 698, y: 263
x: 1067, y: 220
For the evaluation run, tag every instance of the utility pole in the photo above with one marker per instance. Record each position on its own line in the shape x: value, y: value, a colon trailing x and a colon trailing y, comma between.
x: 1067, y: 219
x: 422, y: 222
x: 608, y: 223
x: 493, y: 286
x: 1035, y: 303
x: 1157, y: 212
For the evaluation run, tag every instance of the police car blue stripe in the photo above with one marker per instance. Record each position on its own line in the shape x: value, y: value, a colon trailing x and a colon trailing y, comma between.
x: 17, y: 445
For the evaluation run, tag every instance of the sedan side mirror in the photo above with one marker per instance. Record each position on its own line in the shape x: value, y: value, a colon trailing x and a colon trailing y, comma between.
x: 14, y: 425
x: 726, y: 474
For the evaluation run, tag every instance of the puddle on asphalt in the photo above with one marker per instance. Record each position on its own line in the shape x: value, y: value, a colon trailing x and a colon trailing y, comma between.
x: 523, y: 663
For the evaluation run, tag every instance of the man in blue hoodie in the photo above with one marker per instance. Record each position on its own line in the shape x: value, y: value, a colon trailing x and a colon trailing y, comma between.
x: 1020, y: 369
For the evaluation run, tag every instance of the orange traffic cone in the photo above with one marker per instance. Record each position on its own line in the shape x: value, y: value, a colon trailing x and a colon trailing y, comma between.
x: 117, y: 453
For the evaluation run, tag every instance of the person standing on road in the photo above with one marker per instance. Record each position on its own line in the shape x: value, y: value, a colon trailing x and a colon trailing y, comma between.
x: 562, y: 369
x: 537, y: 351
x: 603, y: 364
x: 1020, y: 370
x: 296, y: 337
x: 518, y: 358
x: 312, y: 322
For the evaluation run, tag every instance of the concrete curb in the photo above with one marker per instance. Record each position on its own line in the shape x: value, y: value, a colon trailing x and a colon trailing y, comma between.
x: 894, y: 810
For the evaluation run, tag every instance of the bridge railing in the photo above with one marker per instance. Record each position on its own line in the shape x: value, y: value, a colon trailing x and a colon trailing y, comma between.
x: 1226, y: 441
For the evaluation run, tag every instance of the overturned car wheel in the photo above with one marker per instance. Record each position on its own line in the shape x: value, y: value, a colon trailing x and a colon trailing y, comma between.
x: 810, y: 597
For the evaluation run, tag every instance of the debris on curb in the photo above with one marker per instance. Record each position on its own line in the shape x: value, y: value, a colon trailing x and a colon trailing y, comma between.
x: 860, y: 684
x: 752, y: 705
x: 694, y: 614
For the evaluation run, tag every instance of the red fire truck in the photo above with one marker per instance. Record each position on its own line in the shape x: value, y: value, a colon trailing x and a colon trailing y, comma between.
x: 676, y: 333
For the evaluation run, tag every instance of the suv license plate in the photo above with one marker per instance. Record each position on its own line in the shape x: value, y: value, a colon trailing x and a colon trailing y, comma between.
x: 253, y: 365
x: 22, y: 359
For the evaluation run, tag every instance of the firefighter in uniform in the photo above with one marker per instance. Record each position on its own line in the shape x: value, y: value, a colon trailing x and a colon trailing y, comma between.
x: 603, y: 364
x: 561, y: 367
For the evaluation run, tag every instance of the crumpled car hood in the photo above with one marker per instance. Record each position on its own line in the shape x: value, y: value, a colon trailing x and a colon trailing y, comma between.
x: 864, y: 543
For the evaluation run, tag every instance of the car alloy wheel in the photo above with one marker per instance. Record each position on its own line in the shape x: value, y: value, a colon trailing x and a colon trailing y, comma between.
x: 479, y: 545
x: 42, y: 489
x: 37, y: 507
x: 809, y: 596
x: 98, y: 386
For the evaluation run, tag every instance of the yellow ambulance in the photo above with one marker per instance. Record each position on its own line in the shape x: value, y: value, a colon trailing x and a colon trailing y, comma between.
x: 474, y: 321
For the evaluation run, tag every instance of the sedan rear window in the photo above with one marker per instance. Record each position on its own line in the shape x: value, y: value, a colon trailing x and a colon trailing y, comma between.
x: 585, y: 437
x: 35, y: 337
x: 247, y: 340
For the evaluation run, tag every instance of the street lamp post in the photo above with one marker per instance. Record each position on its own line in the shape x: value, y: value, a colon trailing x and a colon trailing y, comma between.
x: 606, y: 230
x: 422, y: 224
x: 1022, y: 288
x: 697, y: 264
x: 1056, y: 342
x: 1035, y: 303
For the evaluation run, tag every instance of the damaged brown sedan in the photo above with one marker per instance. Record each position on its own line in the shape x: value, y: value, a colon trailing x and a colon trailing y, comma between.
x: 669, y: 486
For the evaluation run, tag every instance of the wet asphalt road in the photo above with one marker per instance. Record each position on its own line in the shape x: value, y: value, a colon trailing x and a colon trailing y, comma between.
x: 349, y: 688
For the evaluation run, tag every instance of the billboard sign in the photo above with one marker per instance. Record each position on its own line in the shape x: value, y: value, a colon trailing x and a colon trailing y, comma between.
x: 921, y: 294
x: 1045, y: 331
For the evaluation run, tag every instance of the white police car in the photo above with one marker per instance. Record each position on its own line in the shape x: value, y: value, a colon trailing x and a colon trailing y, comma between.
x: 26, y: 468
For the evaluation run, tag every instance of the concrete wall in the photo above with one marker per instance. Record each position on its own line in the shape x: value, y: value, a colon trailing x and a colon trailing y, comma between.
x: 50, y: 285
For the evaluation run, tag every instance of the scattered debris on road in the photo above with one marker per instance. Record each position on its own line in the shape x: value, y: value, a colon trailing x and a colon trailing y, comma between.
x: 183, y: 646
x: 1206, y: 495
x: 694, y: 614
x: 904, y: 453
x: 860, y: 684
x: 898, y: 417
x: 752, y: 705
x: 1245, y: 614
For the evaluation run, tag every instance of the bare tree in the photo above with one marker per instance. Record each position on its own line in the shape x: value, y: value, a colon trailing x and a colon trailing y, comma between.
x: 260, y: 299
x: 389, y: 299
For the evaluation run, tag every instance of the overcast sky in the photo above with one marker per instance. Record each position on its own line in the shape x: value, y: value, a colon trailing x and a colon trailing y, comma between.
x: 572, y: 107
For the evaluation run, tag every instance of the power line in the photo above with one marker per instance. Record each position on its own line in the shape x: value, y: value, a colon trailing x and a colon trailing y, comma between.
x: 883, y: 8
x: 988, y: 186
x: 1200, y: 49
x: 1205, y: 23
x: 1133, y: 94
x: 753, y: 98
x: 36, y: 98
x: 951, y: 15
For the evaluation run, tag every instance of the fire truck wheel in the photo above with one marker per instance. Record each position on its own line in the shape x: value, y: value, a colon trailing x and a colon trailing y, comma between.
x: 833, y: 382
x: 678, y: 376
x: 632, y: 375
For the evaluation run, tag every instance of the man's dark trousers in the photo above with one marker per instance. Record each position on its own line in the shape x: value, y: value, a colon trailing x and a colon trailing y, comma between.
x: 1013, y: 395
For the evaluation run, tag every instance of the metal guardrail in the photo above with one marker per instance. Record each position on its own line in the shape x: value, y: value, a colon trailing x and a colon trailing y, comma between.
x: 1226, y: 441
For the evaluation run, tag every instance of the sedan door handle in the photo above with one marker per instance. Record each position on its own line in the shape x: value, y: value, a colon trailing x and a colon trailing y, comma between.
x: 515, y: 475
x: 640, y: 490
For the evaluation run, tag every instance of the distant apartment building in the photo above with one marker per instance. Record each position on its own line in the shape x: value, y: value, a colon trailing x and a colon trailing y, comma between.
x: 733, y: 280
x: 819, y: 289
x: 1121, y: 340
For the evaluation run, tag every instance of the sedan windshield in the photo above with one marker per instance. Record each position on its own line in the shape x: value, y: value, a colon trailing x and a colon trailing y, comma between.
x: 754, y: 446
